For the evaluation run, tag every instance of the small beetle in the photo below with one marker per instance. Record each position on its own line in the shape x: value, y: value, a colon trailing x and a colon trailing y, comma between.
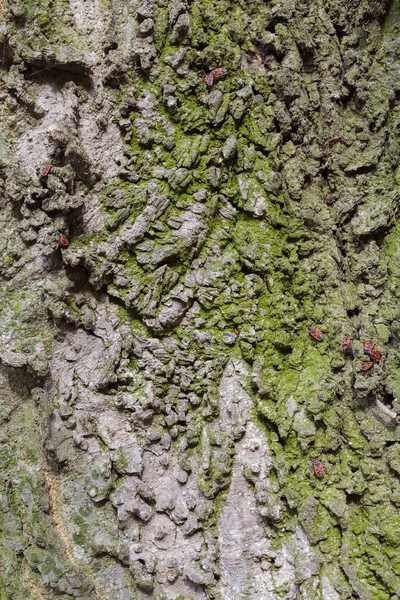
x: 329, y: 200
x: 316, y: 333
x: 376, y: 355
x: 46, y: 171
x: 368, y: 345
x: 219, y: 72
x: 366, y: 366
x: 63, y: 241
x: 318, y: 468
x: 346, y: 342
x: 209, y: 79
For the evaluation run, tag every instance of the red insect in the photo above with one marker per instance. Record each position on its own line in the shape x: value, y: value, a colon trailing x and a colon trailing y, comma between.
x: 368, y: 345
x: 63, y: 241
x: 329, y: 200
x: 316, y: 333
x: 366, y: 366
x: 375, y: 355
x: 346, y: 342
x: 219, y: 72
x: 209, y: 79
x: 318, y: 468
x: 46, y: 171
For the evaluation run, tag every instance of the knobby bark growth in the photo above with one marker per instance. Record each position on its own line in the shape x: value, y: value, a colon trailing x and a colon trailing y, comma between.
x: 162, y: 402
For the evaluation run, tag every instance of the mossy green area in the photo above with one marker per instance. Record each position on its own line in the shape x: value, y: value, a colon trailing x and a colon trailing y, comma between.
x: 25, y: 526
x: 50, y: 21
x: 272, y: 265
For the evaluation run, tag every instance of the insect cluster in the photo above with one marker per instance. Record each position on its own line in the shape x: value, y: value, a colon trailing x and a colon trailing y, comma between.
x: 373, y: 353
x: 369, y: 347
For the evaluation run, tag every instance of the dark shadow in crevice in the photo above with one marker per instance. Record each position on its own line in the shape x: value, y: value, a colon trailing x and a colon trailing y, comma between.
x: 270, y: 425
x: 380, y: 237
x: 41, y: 73
x: 266, y: 50
x: 133, y: 313
x: 391, y: 443
x: 75, y: 223
x: 21, y: 380
x: 7, y: 54
x: 346, y: 100
x: 367, y: 170
x: 340, y: 31
x: 383, y: 16
x: 353, y: 498
x: 348, y: 216
x: 53, y: 262
x: 320, y: 425
x: 79, y: 276
x: 386, y: 398
x: 171, y: 261
x: 308, y: 58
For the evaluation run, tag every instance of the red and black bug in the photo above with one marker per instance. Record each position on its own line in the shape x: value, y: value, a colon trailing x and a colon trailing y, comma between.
x: 318, y: 468
x: 376, y: 355
x: 219, y: 72
x: 368, y: 346
x: 346, y: 342
x: 209, y: 79
x: 46, y: 171
x: 316, y: 333
x: 366, y: 366
x: 63, y: 241
x: 329, y: 200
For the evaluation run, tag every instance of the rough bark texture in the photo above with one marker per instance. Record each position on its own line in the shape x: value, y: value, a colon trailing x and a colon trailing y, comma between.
x: 162, y: 401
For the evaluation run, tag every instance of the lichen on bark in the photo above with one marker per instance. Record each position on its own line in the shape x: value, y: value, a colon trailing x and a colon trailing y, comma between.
x: 162, y: 400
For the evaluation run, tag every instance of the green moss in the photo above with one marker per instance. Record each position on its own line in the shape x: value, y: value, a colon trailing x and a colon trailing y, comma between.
x: 270, y: 276
x: 392, y: 19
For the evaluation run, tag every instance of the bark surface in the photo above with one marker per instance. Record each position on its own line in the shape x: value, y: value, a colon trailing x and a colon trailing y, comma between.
x: 162, y: 401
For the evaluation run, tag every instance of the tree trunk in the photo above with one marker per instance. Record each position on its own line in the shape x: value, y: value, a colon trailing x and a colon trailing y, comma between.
x: 172, y: 248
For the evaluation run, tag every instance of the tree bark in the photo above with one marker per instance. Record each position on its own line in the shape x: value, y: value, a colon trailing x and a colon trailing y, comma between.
x: 190, y: 193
